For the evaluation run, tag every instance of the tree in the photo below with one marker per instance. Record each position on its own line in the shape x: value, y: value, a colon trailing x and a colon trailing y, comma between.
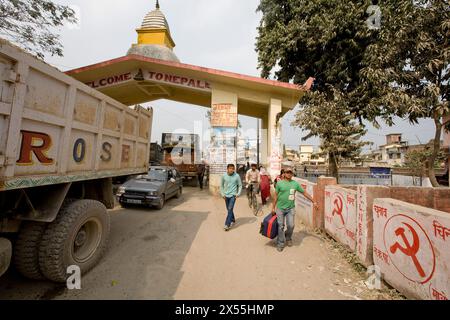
x: 417, y: 160
x: 410, y: 64
x: 30, y: 24
x: 327, y: 40
x: 336, y: 127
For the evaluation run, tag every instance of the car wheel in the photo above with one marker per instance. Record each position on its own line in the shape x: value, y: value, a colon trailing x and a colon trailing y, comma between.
x: 161, y: 202
x: 179, y: 192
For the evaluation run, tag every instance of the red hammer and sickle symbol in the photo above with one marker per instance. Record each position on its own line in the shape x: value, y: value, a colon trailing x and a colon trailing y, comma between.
x: 409, y: 250
x: 338, y: 205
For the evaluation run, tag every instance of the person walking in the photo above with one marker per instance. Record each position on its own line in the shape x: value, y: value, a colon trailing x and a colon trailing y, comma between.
x: 230, y: 189
x: 266, y: 181
x: 201, y: 168
x: 284, y: 208
x: 252, y: 179
x: 280, y: 177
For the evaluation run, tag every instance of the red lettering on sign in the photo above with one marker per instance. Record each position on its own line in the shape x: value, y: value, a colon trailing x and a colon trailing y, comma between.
x: 191, y: 83
x: 159, y: 76
x: 438, y: 295
x: 350, y: 200
x: 28, y: 146
x: 350, y: 234
x: 380, y: 211
x: 168, y: 78
x: 440, y: 231
x: 381, y: 255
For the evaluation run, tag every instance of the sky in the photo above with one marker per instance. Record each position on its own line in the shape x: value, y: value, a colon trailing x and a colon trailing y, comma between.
x: 218, y: 34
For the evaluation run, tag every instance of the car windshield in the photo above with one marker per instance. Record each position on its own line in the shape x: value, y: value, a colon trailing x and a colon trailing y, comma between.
x: 158, y: 175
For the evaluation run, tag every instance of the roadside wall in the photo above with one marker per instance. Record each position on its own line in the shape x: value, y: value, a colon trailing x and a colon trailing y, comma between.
x: 411, y: 245
x: 340, y: 214
x: 304, y: 208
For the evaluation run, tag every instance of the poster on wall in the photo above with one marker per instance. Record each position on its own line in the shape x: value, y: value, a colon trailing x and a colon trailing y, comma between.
x: 275, y: 157
x: 222, y: 149
x: 224, y: 115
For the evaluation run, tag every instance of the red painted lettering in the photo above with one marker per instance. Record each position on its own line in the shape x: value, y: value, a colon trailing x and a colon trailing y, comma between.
x: 29, y: 140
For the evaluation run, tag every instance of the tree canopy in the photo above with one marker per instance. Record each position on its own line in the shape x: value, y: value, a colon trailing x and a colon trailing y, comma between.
x: 31, y: 23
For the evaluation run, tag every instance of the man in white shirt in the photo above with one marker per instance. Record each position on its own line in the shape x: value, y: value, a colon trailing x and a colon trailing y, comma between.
x: 253, y: 178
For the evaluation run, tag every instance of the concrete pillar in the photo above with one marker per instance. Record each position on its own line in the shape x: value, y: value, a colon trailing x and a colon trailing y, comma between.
x: 319, y: 197
x: 264, y: 142
x: 223, y: 148
x: 274, y: 138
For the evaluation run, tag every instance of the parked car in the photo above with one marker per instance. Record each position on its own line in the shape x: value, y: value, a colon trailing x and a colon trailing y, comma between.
x: 152, y: 189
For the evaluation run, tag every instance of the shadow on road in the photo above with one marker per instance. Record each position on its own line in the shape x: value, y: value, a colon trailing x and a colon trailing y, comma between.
x: 144, y: 259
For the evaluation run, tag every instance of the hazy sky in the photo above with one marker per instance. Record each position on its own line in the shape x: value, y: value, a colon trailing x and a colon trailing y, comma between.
x: 211, y: 33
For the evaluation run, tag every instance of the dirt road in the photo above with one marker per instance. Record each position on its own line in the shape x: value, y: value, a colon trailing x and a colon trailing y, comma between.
x: 182, y: 252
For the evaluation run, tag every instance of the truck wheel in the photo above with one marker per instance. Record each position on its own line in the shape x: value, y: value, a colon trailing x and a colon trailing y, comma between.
x: 161, y: 202
x: 26, y: 250
x: 78, y: 236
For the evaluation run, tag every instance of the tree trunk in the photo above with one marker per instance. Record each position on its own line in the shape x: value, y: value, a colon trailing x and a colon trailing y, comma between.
x: 334, y: 172
x: 434, y: 154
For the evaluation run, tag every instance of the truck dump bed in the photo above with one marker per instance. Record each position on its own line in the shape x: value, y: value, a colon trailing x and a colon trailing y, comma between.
x: 54, y: 129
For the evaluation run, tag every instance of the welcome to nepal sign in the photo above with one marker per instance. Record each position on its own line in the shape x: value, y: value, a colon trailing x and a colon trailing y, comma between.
x: 154, y: 76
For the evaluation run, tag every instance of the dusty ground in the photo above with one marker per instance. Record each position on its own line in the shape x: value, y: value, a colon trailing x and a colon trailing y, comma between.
x: 182, y: 252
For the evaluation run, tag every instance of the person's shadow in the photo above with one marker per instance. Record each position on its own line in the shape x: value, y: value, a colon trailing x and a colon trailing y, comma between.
x: 243, y: 221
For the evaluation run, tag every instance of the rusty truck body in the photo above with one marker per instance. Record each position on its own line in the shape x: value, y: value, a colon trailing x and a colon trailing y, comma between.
x: 183, y: 152
x: 61, y: 144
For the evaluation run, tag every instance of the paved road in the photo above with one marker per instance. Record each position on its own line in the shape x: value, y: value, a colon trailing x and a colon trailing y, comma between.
x: 182, y: 252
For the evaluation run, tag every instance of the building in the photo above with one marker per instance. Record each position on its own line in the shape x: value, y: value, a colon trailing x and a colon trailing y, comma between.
x: 292, y: 155
x: 151, y: 71
x: 306, y: 152
x: 394, y: 151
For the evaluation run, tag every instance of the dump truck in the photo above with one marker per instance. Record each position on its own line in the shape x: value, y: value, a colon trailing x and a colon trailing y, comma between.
x: 61, y: 144
x: 182, y: 151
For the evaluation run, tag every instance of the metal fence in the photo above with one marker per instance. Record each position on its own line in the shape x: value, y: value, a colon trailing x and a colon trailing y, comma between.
x: 353, y: 178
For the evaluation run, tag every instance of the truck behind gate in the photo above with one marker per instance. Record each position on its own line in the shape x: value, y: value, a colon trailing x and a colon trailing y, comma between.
x: 183, y: 152
x: 61, y: 144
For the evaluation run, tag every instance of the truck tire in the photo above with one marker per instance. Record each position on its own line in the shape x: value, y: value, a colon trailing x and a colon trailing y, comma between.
x: 26, y: 250
x: 78, y: 236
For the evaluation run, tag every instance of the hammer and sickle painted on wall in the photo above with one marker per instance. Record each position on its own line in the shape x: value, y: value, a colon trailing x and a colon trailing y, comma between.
x: 409, y: 249
x: 338, y: 208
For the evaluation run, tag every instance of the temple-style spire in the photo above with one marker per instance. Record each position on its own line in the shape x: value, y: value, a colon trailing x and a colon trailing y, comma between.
x: 154, y: 38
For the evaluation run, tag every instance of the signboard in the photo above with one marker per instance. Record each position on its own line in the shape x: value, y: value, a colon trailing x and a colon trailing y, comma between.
x: 411, y: 246
x: 151, y: 75
x: 222, y: 150
x: 224, y: 115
